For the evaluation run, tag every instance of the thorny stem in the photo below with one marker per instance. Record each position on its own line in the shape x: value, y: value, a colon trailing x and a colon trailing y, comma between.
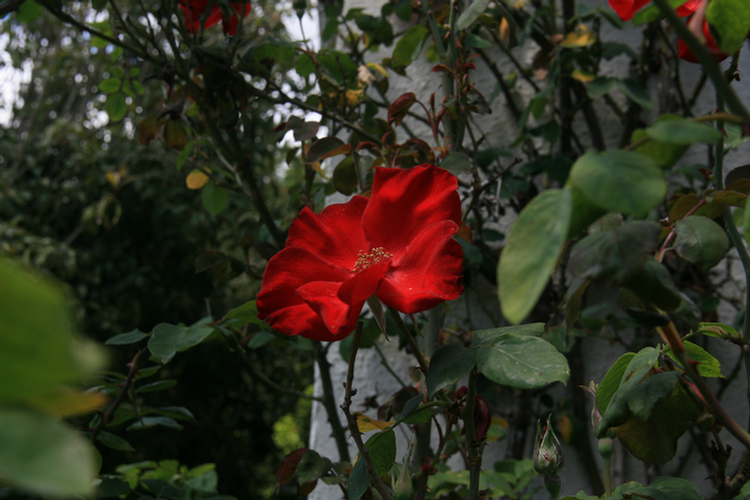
x: 121, y: 395
x: 364, y: 454
x: 329, y: 402
x: 473, y: 446
x: 672, y: 338
x: 608, y: 476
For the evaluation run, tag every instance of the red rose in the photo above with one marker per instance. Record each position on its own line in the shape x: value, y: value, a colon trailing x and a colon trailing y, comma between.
x: 683, y: 52
x: 397, y: 245
x: 195, y: 9
x: 626, y: 9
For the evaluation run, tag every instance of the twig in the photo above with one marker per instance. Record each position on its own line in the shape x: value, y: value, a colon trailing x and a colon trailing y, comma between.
x: 329, y: 403
x: 121, y: 395
x: 364, y: 454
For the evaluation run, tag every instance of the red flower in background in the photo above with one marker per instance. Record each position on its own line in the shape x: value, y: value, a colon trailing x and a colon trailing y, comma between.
x: 683, y: 52
x: 397, y: 245
x: 626, y: 9
x: 195, y: 9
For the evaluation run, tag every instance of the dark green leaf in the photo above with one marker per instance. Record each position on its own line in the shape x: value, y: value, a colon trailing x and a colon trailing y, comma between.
x: 382, y: 448
x: 115, y: 442
x: 127, y: 338
x: 456, y: 163
x: 28, y: 11
x: 600, y: 86
x: 148, y: 422
x: 489, y: 337
x: 700, y: 241
x: 246, y: 313
x: 614, y: 254
x: 164, y: 489
x: 635, y: 92
x: 653, y: 284
x: 611, y: 381
x: 359, y: 480
x: 477, y: 42
x: 110, y: 85
x: 619, y: 181
x: 167, y: 339
x: 345, y: 176
x: 112, y: 487
x: 448, y: 365
x: 157, y: 386
x: 643, y: 396
x: 534, y: 245
x: 311, y: 467
x: 321, y: 147
x: 304, y: 65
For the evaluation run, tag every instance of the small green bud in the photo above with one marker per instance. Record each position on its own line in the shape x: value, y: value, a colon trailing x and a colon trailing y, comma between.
x: 548, y: 455
x: 606, y: 447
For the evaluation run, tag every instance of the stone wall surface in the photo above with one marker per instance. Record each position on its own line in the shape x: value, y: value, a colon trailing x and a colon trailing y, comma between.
x: 373, y: 380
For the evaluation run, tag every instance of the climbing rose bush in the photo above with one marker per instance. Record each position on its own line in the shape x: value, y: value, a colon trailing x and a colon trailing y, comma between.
x: 397, y: 245
x: 195, y: 9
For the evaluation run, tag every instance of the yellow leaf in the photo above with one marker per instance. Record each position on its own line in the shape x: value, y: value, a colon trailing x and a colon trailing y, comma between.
x: 583, y: 37
x: 366, y: 424
x: 113, y: 178
x: 583, y: 76
x: 196, y: 179
x: 66, y: 402
x: 504, y: 30
x: 318, y: 167
x: 377, y: 67
x: 354, y: 97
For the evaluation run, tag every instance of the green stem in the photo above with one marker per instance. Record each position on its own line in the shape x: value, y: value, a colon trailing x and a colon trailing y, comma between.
x: 473, y: 446
x: 607, y: 477
x: 409, y: 338
x: 329, y: 403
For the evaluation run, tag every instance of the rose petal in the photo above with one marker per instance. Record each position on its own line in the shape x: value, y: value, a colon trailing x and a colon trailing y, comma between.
x: 339, y: 317
x: 427, y: 273
x: 278, y: 302
x: 626, y: 9
x: 404, y: 202
x: 335, y: 234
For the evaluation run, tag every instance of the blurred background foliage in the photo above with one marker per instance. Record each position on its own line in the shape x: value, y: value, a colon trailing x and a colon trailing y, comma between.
x: 82, y: 200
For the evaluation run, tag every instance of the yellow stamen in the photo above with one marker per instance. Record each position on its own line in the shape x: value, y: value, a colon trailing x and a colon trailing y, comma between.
x: 366, y: 259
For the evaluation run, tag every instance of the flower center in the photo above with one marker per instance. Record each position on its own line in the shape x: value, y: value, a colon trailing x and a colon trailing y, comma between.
x: 366, y: 259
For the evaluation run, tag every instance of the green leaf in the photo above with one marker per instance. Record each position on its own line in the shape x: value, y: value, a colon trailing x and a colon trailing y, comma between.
x: 157, y: 386
x: 164, y: 489
x: 115, y: 442
x: 600, y: 86
x: 246, y: 313
x: 708, y: 366
x: 456, y: 163
x: 643, y: 397
x: 652, y: 13
x: 409, y: 46
x: 534, y: 245
x: 683, y: 132
x: 489, y: 337
x: 167, y: 339
x: 382, y: 448
x: 471, y: 14
x: 186, y: 151
x: 42, y: 455
x: 345, y: 176
x: 116, y: 107
x: 614, y: 254
x: 112, y: 487
x: 700, y: 241
x: 718, y: 330
x: 617, y: 411
x: 635, y: 92
x: 214, y: 198
x: 611, y: 381
x: 36, y: 334
x: 653, y: 283
x: 28, y: 11
x: 730, y: 21
x: 522, y: 361
x: 359, y: 480
x: 148, y: 422
x: 448, y: 365
x: 477, y: 42
x: 127, y: 338
x: 110, y: 85
x: 311, y: 467
x: 619, y: 181
x: 304, y: 65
